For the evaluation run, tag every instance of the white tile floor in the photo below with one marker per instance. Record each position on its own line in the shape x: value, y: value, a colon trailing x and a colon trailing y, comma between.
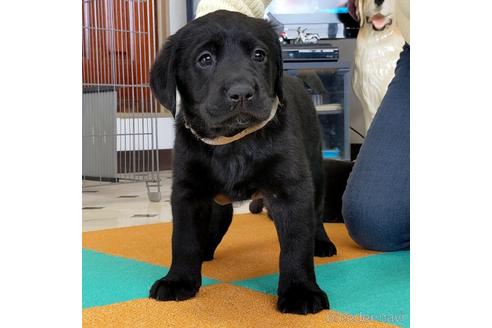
x: 123, y: 212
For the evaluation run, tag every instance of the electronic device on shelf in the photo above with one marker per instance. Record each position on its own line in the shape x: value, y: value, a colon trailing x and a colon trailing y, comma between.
x: 309, y: 53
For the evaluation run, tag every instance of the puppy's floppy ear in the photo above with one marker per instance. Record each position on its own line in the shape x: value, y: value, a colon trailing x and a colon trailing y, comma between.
x: 163, y: 76
x: 280, y: 72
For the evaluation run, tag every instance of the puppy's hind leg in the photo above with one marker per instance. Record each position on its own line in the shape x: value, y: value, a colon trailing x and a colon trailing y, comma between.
x: 256, y: 206
x: 323, y: 246
x: 220, y: 220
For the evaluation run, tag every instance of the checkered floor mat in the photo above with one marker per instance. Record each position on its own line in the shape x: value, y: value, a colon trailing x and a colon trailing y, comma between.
x: 365, y: 288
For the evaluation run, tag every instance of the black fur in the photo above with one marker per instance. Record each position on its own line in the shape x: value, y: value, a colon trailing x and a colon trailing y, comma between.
x: 336, y: 173
x: 282, y: 160
x: 336, y: 176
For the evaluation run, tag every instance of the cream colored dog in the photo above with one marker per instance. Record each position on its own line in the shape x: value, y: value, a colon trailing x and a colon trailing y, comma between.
x: 379, y: 44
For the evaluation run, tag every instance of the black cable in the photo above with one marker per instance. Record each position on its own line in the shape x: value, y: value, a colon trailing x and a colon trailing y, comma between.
x: 360, y: 134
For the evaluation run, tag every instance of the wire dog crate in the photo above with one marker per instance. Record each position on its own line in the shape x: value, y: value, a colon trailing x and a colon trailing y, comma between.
x: 119, y: 113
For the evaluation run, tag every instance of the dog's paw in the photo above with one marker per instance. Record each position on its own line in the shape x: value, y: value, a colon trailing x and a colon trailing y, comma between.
x: 302, y: 300
x: 172, y: 290
x: 324, y: 248
x: 256, y: 206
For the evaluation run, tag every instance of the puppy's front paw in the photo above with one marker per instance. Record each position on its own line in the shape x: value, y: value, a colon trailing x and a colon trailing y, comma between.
x: 324, y: 248
x: 172, y: 290
x: 302, y: 300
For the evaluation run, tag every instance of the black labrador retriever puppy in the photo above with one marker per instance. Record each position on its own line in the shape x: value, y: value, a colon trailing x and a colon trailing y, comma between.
x: 243, y: 128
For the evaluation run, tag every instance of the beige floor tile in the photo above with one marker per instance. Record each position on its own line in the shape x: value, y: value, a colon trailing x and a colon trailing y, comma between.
x: 119, y: 212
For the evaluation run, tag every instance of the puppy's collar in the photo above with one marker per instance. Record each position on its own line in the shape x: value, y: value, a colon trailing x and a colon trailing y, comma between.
x: 227, y: 140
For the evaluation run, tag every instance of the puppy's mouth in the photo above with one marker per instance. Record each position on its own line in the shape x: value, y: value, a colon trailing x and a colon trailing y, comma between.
x: 379, y: 21
x: 235, y: 124
x: 243, y: 120
x: 229, y: 120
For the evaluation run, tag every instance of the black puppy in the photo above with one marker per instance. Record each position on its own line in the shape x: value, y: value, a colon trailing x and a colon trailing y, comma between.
x: 243, y: 128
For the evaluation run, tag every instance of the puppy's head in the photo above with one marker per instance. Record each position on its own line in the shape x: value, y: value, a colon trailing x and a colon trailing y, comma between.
x: 227, y: 68
x: 378, y: 13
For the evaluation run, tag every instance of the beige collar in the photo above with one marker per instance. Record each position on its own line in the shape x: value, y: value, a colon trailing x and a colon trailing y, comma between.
x: 226, y: 140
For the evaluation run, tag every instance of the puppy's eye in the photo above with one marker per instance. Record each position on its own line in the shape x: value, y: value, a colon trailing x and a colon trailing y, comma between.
x: 205, y: 60
x: 259, y: 55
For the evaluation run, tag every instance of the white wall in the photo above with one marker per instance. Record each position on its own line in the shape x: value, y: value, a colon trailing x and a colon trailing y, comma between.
x: 177, y: 10
x: 125, y: 127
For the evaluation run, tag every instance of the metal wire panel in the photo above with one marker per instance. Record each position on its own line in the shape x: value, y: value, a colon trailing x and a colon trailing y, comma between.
x: 119, y: 111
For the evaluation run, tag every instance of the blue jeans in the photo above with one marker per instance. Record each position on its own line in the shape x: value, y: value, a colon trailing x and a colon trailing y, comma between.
x: 376, y: 201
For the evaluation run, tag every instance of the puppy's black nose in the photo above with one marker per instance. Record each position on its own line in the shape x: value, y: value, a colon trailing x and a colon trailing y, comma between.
x: 240, y: 92
x: 379, y: 2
